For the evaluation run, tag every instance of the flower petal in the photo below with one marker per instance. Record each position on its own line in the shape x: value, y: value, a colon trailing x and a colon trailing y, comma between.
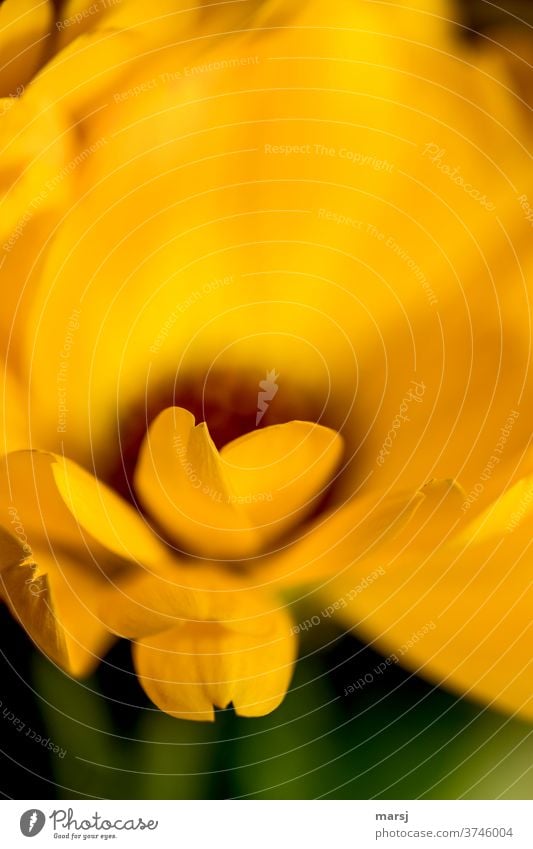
x: 93, y: 64
x: 54, y: 587
x: 37, y: 145
x: 29, y: 495
x: 277, y: 473
x: 189, y: 670
x: 309, y: 272
x: 13, y: 552
x: 56, y: 606
x: 348, y: 536
x: 230, y: 504
x: 503, y: 515
x: 181, y: 480
x: 25, y: 36
x: 58, y: 503
x: 53, y: 583
x: 13, y: 418
x: 458, y: 613
x: 145, y: 603
x: 106, y: 516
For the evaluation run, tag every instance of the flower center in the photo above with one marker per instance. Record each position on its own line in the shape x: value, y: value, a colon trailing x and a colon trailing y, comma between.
x: 230, y: 403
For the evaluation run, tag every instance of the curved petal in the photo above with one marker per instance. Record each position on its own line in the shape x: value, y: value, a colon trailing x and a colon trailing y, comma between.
x: 29, y: 493
x: 185, y: 124
x: 93, y: 64
x: 382, y: 290
x: 458, y: 612
x: 56, y: 605
x: 38, y: 151
x: 142, y: 604
x: 277, y: 473
x: 38, y: 175
x: 54, y: 583
x: 230, y: 504
x: 162, y: 21
x: 352, y: 534
x: 13, y: 414
x: 181, y: 480
x: 188, y: 671
x: 98, y: 45
x: 60, y: 505
x: 106, y: 516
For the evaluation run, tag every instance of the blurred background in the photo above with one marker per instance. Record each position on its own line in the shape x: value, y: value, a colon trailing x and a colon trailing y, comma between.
x: 398, y: 737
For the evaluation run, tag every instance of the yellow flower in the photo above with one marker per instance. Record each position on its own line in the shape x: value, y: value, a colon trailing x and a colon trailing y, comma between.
x: 309, y: 230
x: 228, y: 505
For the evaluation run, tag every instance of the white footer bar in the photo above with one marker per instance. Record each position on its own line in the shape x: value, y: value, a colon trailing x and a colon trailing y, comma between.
x: 269, y: 824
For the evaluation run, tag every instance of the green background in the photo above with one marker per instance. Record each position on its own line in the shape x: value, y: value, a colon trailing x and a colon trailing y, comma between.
x: 397, y: 738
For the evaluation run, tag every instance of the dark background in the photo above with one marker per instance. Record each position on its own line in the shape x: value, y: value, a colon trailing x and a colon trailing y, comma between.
x: 396, y: 738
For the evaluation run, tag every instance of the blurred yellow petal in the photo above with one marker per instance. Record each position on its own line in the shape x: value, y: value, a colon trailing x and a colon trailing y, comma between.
x: 458, y: 613
x: 55, y: 604
x: 39, y: 171
x: 190, y: 670
x: 163, y: 21
x: 104, y: 515
x: 499, y: 518
x: 230, y: 504
x: 97, y: 46
x: 138, y: 605
x: 55, y: 585
x: 25, y: 40
x: 37, y: 147
x: 28, y: 488
x: 351, y: 534
x: 379, y: 263
x: 87, y: 71
x: 438, y: 515
x: 13, y: 414
x: 181, y: 480
x: 31, y: 498
x: 278, y: 473
x: 144, y: 604
x: 13, y: 552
